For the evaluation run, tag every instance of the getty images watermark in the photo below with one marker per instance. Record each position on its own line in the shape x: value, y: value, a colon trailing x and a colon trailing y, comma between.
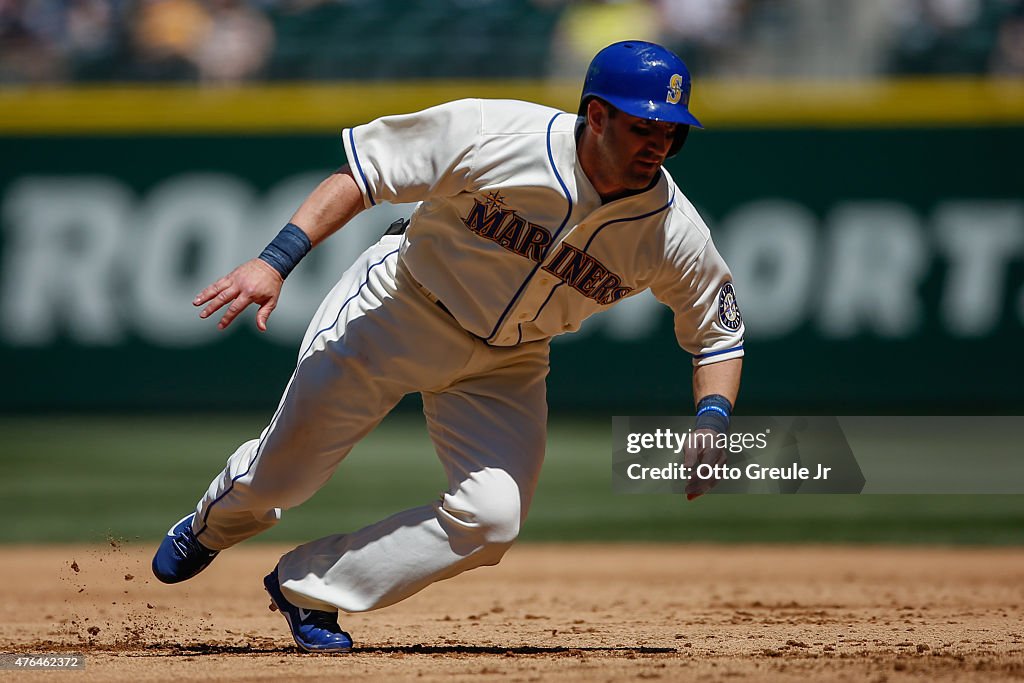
x: 822, y: 455
x: 735, y: 442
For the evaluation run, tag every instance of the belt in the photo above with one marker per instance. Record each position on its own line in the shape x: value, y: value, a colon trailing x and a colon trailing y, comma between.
x: 440, y: 304
x: 399, y: 227
x: 437, y: 302
x: 427, y: 293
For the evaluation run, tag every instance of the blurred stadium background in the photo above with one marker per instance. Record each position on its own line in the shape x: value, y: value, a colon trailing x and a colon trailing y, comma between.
x: 861, y: 171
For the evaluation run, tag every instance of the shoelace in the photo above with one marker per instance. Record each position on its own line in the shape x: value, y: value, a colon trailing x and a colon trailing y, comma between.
x: 189, y: 546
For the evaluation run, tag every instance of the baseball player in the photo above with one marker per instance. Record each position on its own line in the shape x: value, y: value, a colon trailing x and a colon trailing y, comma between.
x: 530, y: 220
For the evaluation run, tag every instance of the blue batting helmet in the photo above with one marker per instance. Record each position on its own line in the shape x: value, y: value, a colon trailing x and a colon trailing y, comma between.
x: 644, y: 80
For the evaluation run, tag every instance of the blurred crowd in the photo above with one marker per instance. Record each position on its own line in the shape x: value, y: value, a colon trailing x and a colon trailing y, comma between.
x: 230, y: 41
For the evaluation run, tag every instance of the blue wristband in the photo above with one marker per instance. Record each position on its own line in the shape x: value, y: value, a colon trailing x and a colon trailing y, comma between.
x: 286, y: 250
x: 713, y: 412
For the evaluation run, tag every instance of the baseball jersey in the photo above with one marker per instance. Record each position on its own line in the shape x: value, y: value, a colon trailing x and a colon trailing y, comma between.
x: 514, y: 240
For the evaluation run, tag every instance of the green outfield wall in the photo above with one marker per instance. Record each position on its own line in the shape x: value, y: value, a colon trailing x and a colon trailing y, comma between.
x: 875, y: 231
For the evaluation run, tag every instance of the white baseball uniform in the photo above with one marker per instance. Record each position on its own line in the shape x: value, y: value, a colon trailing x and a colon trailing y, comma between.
x: 510, y: 246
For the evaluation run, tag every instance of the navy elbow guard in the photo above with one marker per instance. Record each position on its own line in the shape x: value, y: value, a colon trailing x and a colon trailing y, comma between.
x: 286, y: 250
x: 713, y: 412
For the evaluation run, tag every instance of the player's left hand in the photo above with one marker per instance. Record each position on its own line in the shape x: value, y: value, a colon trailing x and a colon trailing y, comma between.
x: 253, y: 282
x: 695, y: 455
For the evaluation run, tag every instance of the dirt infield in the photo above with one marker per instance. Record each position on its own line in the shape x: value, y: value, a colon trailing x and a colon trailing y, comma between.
x: 571, y: 613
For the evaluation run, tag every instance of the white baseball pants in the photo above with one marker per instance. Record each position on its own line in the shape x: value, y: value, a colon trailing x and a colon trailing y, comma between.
x: 375, y: 338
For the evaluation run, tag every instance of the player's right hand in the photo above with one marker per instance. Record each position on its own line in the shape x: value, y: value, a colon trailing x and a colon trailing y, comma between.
x: 253, y: 282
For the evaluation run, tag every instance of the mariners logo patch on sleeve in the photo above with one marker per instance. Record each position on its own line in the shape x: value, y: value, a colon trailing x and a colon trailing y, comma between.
x: 728, y: 308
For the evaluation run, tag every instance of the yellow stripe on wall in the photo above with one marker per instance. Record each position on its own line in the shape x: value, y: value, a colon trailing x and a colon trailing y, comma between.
x: 883, y: 103
x: 327, y: 107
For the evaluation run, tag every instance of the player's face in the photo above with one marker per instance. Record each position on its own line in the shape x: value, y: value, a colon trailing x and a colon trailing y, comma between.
x: 635, y: 148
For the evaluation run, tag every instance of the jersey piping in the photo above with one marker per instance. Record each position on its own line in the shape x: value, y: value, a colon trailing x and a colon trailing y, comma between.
x: 554, y: 239
x: 359, y: 166
x: 709, y: 354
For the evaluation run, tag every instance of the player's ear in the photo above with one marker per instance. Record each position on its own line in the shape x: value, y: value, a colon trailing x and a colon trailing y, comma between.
x: 597, y: 115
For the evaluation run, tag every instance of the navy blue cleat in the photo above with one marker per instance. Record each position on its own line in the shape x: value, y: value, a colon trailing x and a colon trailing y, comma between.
x: 313, y: 630
x: 180, y: 556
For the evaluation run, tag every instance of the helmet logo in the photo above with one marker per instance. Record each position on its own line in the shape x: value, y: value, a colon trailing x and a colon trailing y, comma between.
x: 675, y: 89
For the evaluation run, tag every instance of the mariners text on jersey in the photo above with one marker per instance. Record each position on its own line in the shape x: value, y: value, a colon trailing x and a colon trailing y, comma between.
x: 576, y: 268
